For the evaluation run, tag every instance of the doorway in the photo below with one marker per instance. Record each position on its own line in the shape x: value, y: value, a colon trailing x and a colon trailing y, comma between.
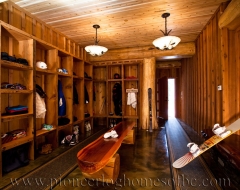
x: 166, y: 97
x: 171, y: 97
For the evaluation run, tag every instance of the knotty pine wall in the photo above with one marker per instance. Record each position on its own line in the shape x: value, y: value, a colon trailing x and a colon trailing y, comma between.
x: 216, y: 62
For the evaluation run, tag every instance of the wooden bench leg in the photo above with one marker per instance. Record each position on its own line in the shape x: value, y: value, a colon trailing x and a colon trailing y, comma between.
x: 130, y: 138
x: 107, y: 174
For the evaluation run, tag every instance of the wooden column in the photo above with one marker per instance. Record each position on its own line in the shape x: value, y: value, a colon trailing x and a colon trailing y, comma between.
x: 149, y: 74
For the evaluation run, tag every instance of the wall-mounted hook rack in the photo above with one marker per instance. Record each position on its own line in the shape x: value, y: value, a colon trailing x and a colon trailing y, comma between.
x: 132, y: 90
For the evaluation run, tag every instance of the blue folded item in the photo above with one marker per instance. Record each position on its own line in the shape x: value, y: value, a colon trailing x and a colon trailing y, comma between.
x: 20, y: 109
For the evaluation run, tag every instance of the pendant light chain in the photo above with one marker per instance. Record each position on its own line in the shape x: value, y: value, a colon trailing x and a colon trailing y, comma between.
x: 96, y: 42
x: 166, y: 27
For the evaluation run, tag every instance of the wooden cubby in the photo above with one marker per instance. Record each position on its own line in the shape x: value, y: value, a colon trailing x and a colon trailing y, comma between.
x: 103, y: 82
x: 45, y: 78
x: 78, y: 82
x: 64, y: 61
x: 131, y: 81
x: 88, y: 86
x: 99, y: 102
x: 20, y: 46
x: 71, y: 57
x: 100, y: 91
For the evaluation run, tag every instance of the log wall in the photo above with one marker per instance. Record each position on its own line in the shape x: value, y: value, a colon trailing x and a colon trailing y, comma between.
x: 216, y: 62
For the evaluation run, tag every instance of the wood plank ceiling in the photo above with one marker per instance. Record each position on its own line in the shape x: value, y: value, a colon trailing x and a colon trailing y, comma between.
x: 124, y: 23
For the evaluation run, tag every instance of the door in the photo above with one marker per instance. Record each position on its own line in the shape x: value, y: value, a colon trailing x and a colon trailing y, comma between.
x: 163, y: 97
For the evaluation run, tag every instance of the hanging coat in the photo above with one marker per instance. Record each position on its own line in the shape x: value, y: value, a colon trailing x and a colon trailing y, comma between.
x: 61, y: 100
x: 86, y: 96
x: 75, y: 95
x: 40, y: 107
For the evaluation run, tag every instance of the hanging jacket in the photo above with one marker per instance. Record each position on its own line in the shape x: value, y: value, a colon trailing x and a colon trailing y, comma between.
x: 75, y: 95
x: 117, y: 98
x: 86, y: 96
x: 61, y: 100
x: 40, y: 107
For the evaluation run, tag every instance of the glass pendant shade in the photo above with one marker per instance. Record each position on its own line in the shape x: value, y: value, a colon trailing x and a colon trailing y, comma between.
x: 96, y: 50
x: 166, y: 42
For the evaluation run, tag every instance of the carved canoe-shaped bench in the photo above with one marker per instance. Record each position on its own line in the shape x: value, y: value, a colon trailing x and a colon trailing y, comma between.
x: 101, y: 153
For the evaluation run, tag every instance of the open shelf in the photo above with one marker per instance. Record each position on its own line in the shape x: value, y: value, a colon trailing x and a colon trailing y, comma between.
x: 16, y: 66
x: 43, y: 132
x: 64, y: 127
x: 17, y: 142
x: 45, y: 71
x: 7, y: 118
x: 15, y: 91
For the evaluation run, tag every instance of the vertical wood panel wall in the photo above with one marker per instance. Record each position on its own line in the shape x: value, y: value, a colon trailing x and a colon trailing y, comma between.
x: 216, y: 62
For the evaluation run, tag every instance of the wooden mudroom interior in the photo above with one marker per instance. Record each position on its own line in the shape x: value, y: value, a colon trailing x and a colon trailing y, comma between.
x: 204, y: 65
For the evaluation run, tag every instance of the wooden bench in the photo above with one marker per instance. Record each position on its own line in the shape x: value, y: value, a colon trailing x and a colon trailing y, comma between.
x: 99, y: 160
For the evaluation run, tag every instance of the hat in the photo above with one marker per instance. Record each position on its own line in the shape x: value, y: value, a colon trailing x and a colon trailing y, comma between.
x: 41, y: 65
x: 116, y: 76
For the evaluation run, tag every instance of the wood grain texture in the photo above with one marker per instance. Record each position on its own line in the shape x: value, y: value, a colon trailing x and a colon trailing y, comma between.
x: 97, y: 154
x: 231, y: 16
x: 124, y: 23
x: 216, y: 62
x: 149, y: 73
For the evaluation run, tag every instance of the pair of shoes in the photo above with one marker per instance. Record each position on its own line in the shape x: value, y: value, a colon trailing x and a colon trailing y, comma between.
x: 47, y: 127
x: 112, y: 123
x: 46, y: 149
x: 87, y: 126
x: 64, y: 71
x: 112, y: 134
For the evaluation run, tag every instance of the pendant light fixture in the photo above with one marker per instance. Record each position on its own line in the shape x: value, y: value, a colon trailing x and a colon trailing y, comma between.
x: 166, y: 42
x: 96, y: 50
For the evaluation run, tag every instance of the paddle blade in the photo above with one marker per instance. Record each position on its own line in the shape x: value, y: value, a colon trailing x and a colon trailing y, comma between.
x: 184, y: 160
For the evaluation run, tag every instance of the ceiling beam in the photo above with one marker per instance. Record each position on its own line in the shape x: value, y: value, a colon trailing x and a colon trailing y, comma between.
x: 231, y: 16
x: 180, y: 51
x: 168, y: 64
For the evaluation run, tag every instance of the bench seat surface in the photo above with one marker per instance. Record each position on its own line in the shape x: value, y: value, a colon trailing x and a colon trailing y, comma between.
x: 97, y: 154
